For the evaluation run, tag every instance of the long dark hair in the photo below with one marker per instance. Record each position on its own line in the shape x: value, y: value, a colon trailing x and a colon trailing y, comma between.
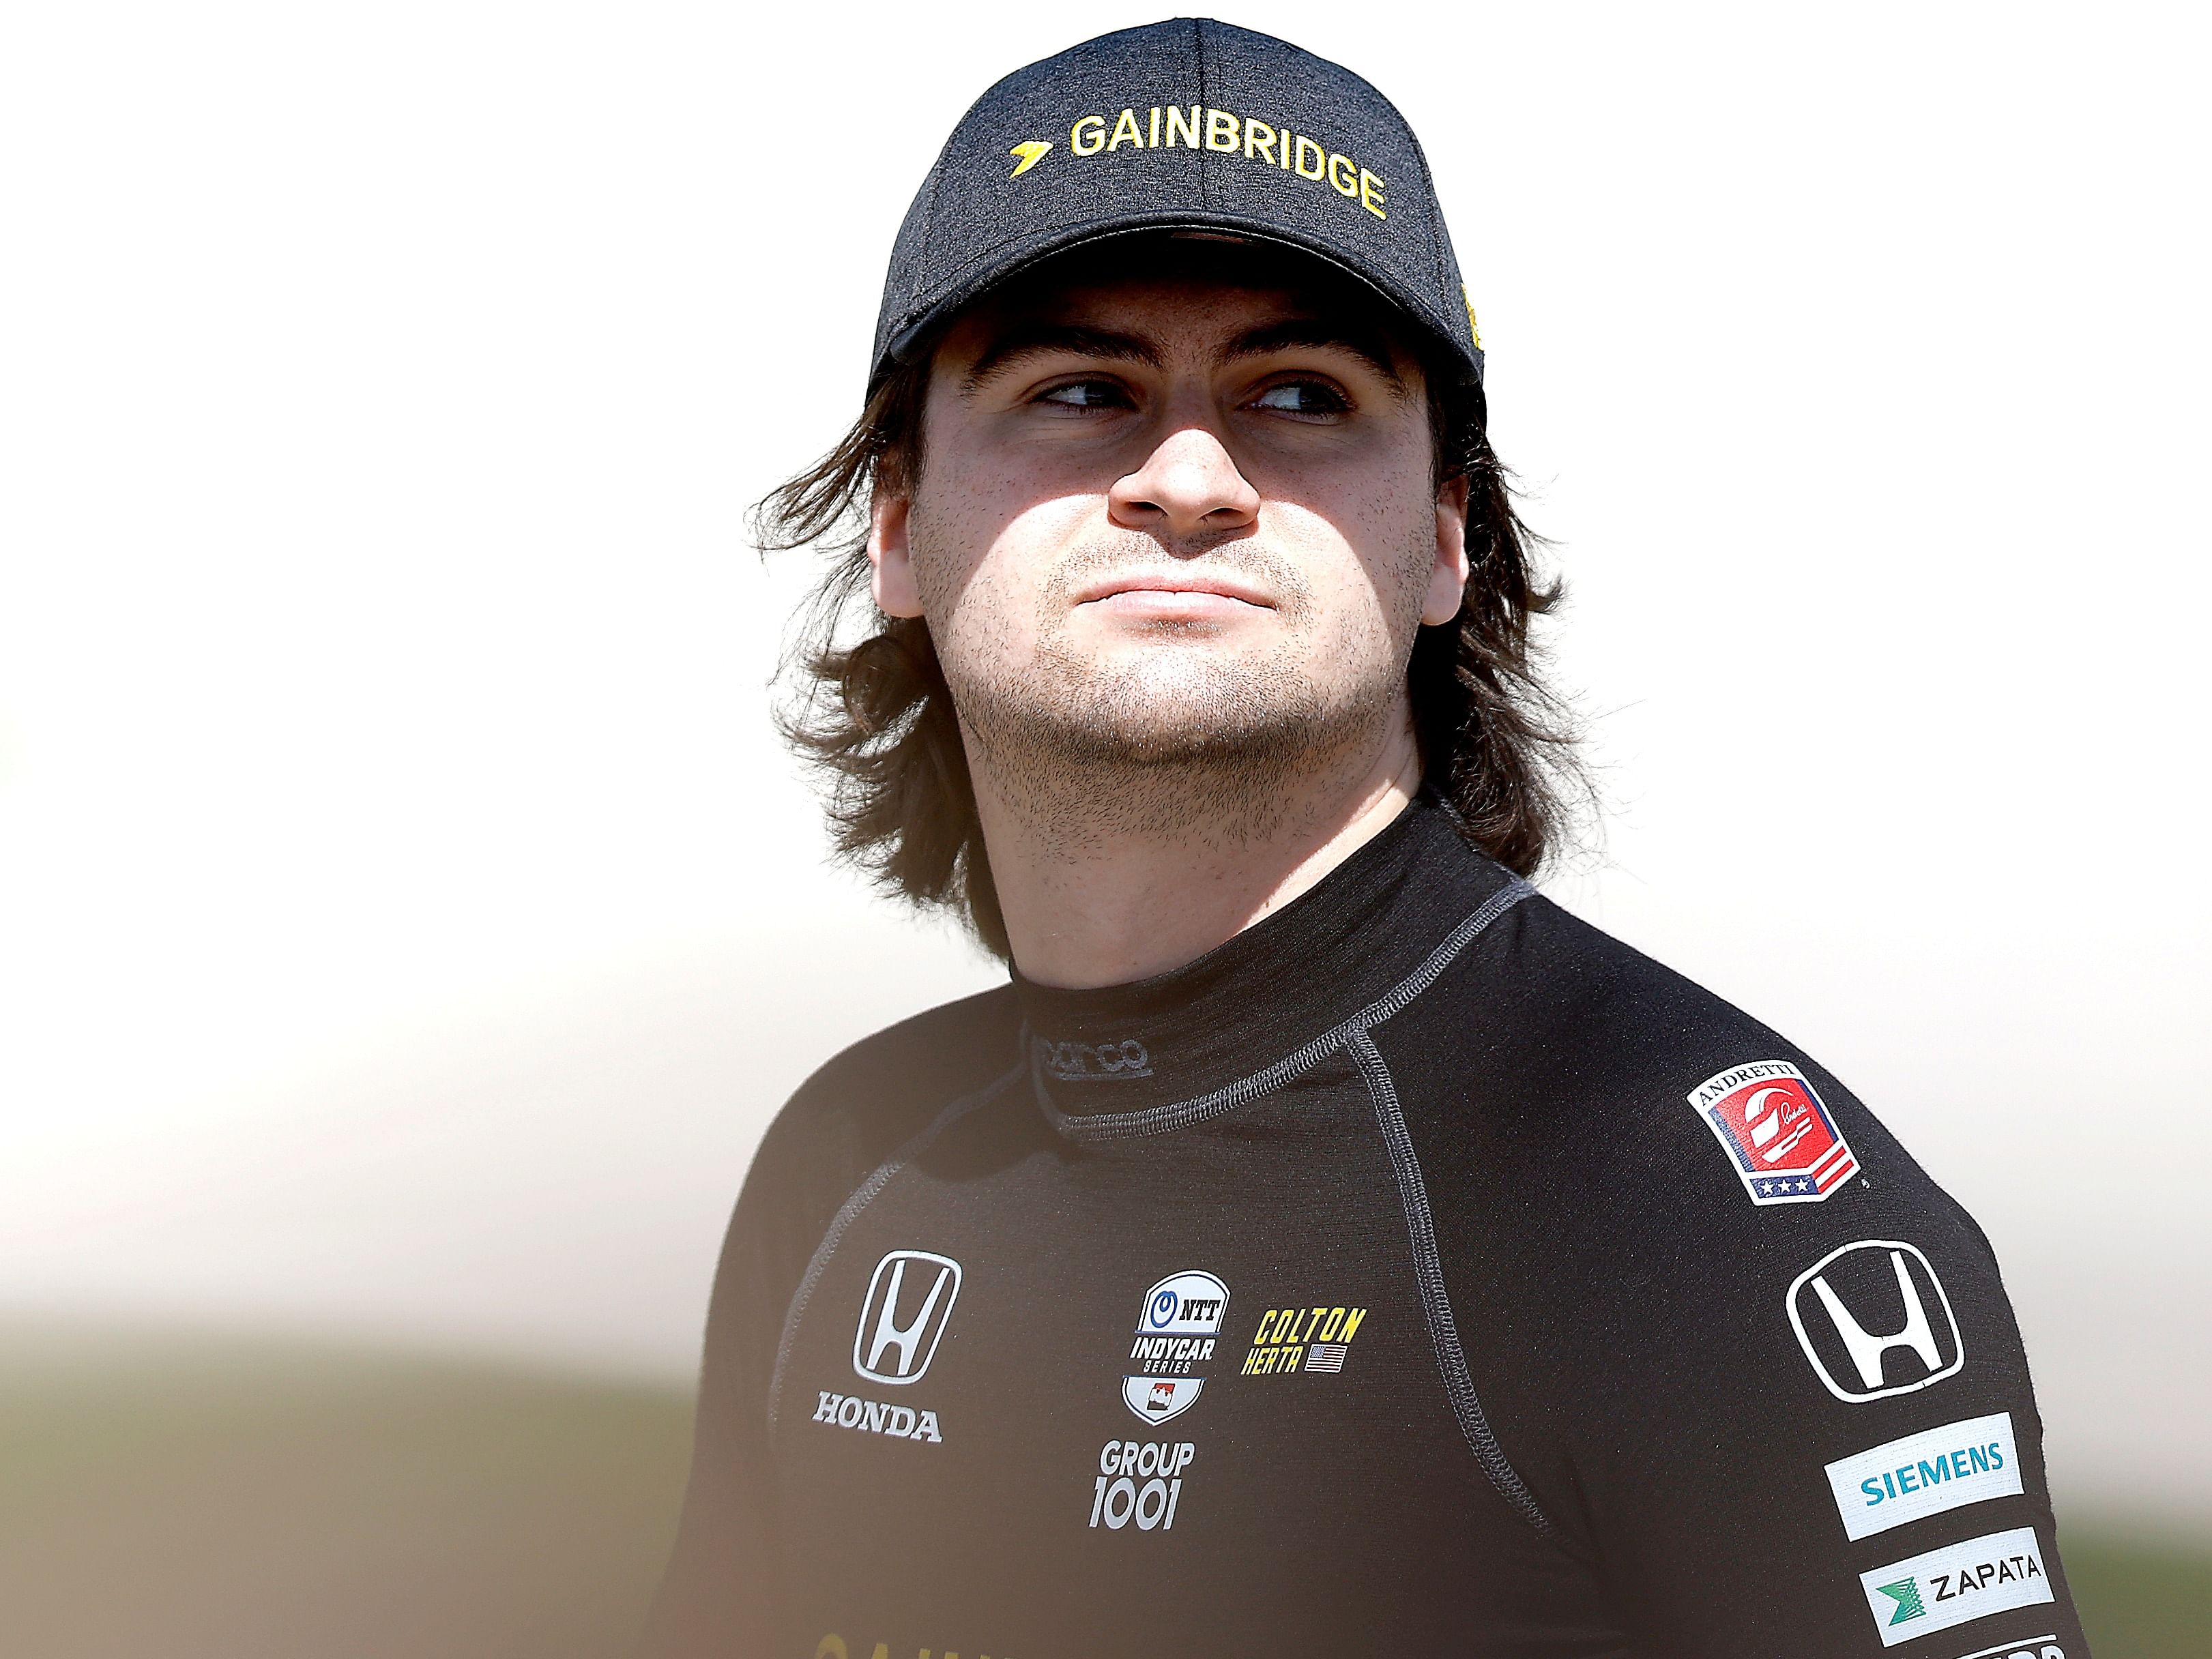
x: 870, y: 707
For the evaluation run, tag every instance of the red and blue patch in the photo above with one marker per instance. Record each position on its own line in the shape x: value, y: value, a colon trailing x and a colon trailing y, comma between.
x: 1776, y: 1132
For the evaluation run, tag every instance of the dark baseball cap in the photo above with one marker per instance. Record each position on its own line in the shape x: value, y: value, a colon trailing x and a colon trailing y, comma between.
x: 1188, y: 124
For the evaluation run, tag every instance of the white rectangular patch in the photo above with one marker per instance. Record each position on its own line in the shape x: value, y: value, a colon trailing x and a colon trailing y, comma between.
x: 2036, y: 1647
x: 1926, y: 1474
x: 1955, y: 1585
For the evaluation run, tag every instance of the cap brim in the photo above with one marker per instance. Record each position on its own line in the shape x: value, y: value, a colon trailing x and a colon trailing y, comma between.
x: 1018, y: 257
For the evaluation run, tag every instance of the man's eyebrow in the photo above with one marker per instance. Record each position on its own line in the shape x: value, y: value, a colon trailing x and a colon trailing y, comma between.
x: 1314, y: 335
x: 1041, y: 339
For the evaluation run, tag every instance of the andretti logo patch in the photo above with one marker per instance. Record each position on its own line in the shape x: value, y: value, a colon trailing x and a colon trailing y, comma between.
x: 1776, y: 1132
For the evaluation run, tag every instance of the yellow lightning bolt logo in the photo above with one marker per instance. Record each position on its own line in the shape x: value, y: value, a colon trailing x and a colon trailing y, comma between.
x: 1030, y: 154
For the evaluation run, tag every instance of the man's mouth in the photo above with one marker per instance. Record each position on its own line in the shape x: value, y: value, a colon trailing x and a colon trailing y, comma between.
x: 1175, y: 594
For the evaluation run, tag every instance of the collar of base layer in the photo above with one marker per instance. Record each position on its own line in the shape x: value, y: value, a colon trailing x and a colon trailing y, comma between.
x: 1288, y: 979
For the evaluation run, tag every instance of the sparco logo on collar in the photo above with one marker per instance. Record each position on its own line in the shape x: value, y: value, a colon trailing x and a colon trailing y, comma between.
x: 902, y: 1319
x: 1177, y: 1329
x: 1095, y: 1062
x: 1874, y: 1320
x: 1776, y: 1132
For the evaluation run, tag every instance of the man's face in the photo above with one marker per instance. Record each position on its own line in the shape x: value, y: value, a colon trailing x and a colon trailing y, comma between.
x: 1173, y: 519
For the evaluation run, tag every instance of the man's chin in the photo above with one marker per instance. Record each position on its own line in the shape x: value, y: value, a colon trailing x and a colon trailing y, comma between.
x: 1198, y: 660
x: 1192, y: 712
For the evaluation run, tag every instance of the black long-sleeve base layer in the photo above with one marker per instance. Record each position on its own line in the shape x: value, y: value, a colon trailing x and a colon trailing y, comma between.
x: 1422, y: 1271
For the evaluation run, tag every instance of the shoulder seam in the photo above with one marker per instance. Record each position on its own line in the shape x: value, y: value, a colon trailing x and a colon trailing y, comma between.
x: 1436, y: 1302
x: 861, y: 1197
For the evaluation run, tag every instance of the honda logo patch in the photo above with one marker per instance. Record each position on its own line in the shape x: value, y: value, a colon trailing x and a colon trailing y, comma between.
x: 908, y: 1302
x: 1874, y: 1320
x: 1776, y: 1132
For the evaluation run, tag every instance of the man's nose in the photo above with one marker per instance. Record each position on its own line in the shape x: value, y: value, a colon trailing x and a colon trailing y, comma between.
x: 1188, y: 486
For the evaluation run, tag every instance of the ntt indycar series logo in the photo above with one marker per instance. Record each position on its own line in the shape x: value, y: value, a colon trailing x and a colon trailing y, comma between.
x: 1177, y: 1330
x: 1776, y: 1131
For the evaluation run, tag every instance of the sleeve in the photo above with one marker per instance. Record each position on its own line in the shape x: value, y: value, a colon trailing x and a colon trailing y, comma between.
x: 1805, y: 1424
x: 717, y: 1594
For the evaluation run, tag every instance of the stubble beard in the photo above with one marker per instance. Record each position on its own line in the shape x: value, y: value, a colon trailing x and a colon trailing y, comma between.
x: 1174, y: 740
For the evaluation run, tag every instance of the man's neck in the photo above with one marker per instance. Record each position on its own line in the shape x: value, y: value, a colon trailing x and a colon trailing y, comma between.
x: 1092, y: 897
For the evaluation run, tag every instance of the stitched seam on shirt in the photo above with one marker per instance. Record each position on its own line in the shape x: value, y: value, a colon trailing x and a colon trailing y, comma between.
x: 1181, y: 1115
x: 1436, y: 1302
x: 862, y: 1196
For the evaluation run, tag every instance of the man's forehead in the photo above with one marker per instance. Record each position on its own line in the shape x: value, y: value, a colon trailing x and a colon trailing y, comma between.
x: 1186, y: 306
x: 1183, y: 303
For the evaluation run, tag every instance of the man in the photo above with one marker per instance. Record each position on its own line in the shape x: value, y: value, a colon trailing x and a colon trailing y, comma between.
x: 1323, y: 1245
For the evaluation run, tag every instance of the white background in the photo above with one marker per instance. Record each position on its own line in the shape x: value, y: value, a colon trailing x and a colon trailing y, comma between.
x: 408, y: 921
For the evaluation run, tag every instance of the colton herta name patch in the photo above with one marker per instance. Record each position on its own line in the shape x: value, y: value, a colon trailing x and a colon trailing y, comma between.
x: 1301, y: 1338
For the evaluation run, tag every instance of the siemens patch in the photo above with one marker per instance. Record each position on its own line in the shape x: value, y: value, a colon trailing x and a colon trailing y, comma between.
x: 1926, y: 1474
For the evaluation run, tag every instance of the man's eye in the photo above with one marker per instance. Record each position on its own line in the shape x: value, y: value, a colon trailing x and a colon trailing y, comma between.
x: 1308, y: 397
x: 1085, y: 394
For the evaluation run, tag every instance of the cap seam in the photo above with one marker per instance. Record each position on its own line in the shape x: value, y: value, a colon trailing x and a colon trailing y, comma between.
x: 1205, y: 101
x: 936, y: 178
x: 1436, y: 217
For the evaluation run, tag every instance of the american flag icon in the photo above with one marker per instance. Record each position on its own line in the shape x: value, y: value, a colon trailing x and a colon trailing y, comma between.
x: 1325, y: 1357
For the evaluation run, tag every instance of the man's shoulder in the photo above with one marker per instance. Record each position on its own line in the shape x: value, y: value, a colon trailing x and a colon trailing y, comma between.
x: 861, y: 1104
x: 1645, y: 1103
x: 947, y: 1049
x: 1634, y: 1175
x: 1559, y: 1007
